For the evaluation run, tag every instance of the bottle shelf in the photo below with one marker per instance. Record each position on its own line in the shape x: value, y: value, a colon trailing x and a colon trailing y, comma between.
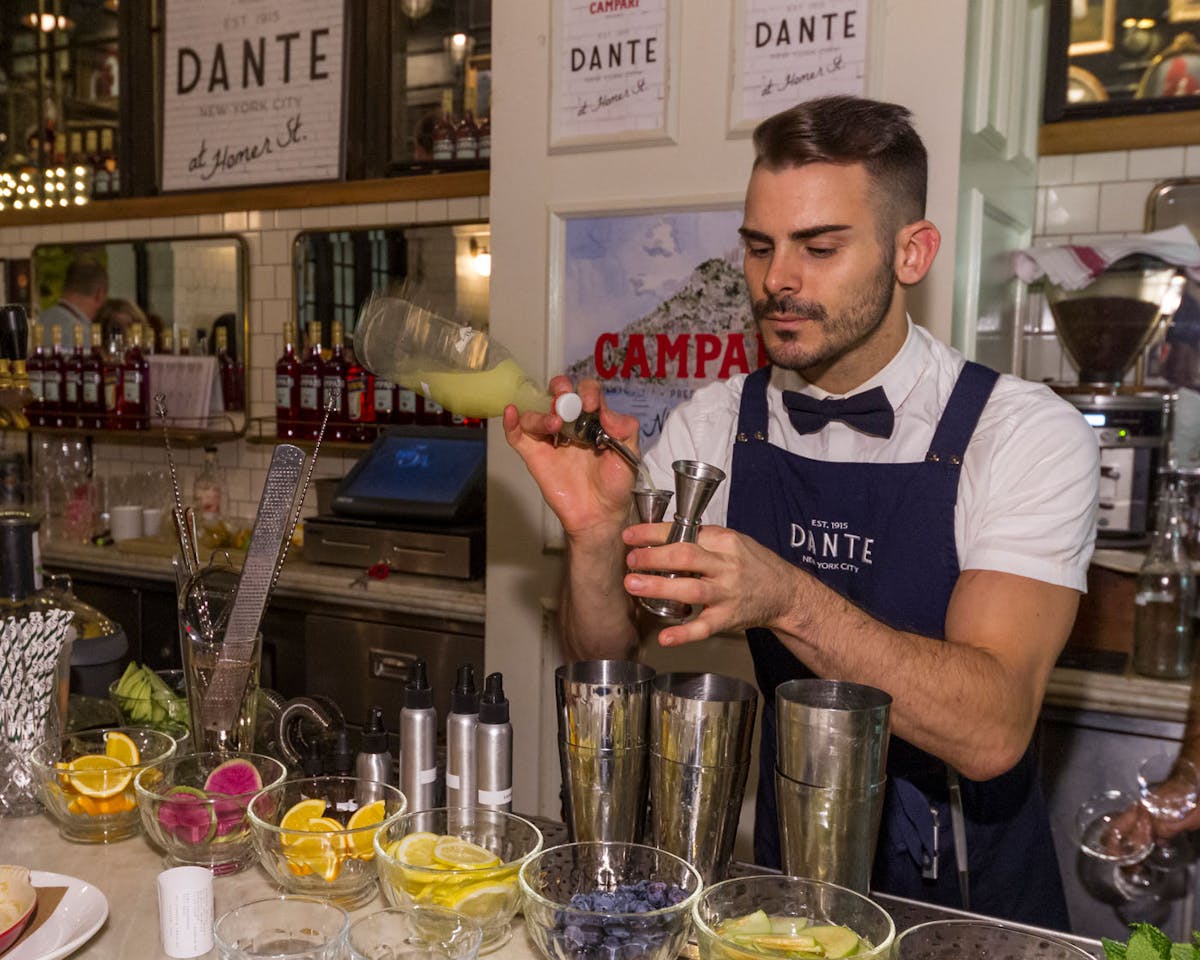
x: 180, y: 431
x: 263, y: 430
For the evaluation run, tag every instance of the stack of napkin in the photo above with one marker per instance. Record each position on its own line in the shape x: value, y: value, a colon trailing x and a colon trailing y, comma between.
x: 1073, y: 267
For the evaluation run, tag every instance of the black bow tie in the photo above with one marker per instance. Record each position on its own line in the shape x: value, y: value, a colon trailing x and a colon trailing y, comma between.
x: 868, y: 412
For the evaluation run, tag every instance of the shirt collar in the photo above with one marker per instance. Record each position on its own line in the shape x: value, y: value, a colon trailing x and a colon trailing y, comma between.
x: 897, y: 378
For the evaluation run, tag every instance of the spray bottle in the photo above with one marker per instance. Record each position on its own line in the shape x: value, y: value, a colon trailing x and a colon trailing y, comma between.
x: 418, y: 737
x: 460, y: 740
x: 493, y: 746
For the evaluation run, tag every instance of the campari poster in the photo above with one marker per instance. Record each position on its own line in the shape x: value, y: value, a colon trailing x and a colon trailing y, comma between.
x: 252, y: 92
x: 656, y: 307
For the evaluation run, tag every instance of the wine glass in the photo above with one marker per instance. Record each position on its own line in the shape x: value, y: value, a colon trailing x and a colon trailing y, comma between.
x: 1114, y: 827
x: 1169, y: 790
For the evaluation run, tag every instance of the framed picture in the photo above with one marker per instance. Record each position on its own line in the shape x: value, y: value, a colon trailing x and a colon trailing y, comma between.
x: 785, y: 51
x: 1093, y: 26
x: 614, y: 74
x: 1175, y: 72
x: 1183, y: 10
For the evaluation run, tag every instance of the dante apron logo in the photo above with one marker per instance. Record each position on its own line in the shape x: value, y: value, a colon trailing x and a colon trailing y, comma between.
x: 830, y: 545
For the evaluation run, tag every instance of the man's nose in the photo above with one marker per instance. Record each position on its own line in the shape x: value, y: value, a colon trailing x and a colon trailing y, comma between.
x: 782, y: 275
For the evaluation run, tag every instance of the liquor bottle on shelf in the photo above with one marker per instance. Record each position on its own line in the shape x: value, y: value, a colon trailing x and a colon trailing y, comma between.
x: 73, y: 381
x: 466, y: 138
x: 485, y: 137
x: 430, y: 413
x: 227, y: 369
x: 312, y: 369
x: 406, y: 405
x: 135, y: 384
x: 360, y: 397
x: 383, y: 400
x: 333, y: 386
x: 114, y: 362
x: 101, y: 178
x: 208, y: 489
x: 287, y: 386
x: 34, y: 367
x: 185, y: 342
x: 108, y: 157
x: 168, y: 341
x: 91, y: 402
x: 53, y: 375
x: 443, y: 129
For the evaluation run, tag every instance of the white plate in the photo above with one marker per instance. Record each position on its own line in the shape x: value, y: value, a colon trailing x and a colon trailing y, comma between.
x: 81, y: 912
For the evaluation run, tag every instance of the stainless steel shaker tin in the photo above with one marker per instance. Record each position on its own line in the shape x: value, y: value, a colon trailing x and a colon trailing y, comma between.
x: 832, y: 733
x: 603, y: 704
x: 702, y: 718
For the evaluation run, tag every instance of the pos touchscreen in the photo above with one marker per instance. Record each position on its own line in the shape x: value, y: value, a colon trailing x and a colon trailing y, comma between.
x: 418, y: 474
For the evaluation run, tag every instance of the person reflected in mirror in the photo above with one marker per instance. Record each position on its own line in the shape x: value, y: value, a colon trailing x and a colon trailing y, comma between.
x: 85, y: 289
x: 116, y: 316
x: 895, y: 515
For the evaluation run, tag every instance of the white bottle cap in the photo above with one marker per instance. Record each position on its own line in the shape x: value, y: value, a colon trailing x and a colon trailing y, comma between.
x: 568, y: 406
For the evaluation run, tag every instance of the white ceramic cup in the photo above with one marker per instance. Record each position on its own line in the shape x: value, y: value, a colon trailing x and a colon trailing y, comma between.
x: 151, y: 521
x: 185, y: 911
x: 125, y: 521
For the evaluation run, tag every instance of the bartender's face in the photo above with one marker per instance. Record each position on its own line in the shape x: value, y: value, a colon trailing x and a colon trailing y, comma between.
x: 820, y: 284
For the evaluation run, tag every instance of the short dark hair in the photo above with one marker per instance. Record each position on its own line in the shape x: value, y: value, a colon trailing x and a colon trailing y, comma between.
x: 86, y: 276
x: 847, y: 130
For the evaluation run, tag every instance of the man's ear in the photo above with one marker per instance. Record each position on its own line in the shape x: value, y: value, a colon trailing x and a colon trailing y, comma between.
x: 916, y: 246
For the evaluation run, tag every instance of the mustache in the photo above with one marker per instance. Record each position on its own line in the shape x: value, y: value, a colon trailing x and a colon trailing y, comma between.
x: 797, y: 306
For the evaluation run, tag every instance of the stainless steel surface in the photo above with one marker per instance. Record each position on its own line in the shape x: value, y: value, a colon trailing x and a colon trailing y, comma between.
x: 223, y: 697
x: 695, y: 483
x: 829, y: 833
x: 701, y: 727
x: 959, y: 938
x: 603, y: 704
x: 604, y: 791
x: 461, y: 785
x: 832, y: 733
x: 493, y: 758
x: 408, y: 551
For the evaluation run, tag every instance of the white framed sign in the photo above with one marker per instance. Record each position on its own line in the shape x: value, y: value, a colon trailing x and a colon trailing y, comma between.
x: 787, y: 51
x: 252, y: 92
x: 614, y: 73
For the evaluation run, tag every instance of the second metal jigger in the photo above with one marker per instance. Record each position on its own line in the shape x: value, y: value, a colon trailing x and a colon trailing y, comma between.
x: 695, y: 483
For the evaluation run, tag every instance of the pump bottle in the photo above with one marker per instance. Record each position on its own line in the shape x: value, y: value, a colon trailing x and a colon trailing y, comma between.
x: 460, y: 740
x: 493, y: 746
x: 373, y: 763
x: 418, y: 736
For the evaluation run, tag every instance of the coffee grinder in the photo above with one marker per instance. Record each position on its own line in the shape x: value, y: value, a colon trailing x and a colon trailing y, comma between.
x: 1105, y: 329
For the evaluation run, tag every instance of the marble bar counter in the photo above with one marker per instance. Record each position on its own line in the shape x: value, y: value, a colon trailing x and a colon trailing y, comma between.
x: 400, y: 592
x: 126, y: 874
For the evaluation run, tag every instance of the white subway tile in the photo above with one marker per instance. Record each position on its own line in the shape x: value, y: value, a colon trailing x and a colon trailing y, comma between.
x: 274, y: 313
x: 463, y: 208
x: 283, y: 281
x: 1051, y: 170
x: 262, y: 282
x: 314, y: 217
x: 485, y: 208
x: 235, y: 222
x: 1039, y: 214
x: 276, y: 246
x: 400, y: 212
x: 433, y: 211
x: 138, y: 228
x: 1100, y: 167
x: 1191, y: 162
x: 1156, y: 164
x: 187, y: 225
x: 371, y: 214
x: 341, y: 216
x: 162, y: 227
x: 1070, y: 209
x: 210, y: 223
x: 1123, y: 206
x: 288, y: 219
x: 259, y: 219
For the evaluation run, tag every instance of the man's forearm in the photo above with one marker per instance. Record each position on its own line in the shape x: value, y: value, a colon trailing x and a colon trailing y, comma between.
x: 596, y: 613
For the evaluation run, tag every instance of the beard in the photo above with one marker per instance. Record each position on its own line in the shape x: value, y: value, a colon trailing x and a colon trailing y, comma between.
x: 839, y: 333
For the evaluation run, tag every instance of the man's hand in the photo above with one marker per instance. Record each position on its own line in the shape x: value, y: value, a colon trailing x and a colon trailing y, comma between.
x: 737, y: 582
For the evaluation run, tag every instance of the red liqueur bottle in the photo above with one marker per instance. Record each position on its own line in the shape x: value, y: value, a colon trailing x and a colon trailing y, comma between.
x: 312, y: 370
x: 73, y: 381
x: 287, y: 386
x: 91, y: 401
x: 34, y: 367
x: 333, y: 388
x: 53, y: 388
x: 360, y: 399
x: 114, y: 362
x: 135, y: 384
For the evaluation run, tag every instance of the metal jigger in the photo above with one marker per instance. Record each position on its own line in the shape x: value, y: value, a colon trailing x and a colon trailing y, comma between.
x: 695, y: 483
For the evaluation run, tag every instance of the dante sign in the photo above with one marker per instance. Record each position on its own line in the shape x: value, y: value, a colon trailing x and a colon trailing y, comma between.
x: 252, y: 93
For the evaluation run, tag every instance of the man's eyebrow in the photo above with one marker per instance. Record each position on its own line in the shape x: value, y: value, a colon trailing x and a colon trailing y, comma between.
x: 800, y: 235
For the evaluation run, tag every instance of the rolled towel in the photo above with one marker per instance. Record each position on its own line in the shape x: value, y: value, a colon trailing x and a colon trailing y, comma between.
x: 1074, y: 266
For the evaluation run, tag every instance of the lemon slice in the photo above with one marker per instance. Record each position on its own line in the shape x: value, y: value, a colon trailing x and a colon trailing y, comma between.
x: 463, y: 854
x: 415, y: 850
x: 297, y: 818
x: 359, y: 845
x: 98, y: 775
x: 485, y: 901
x: 119, y: 745
x: 314, y: 853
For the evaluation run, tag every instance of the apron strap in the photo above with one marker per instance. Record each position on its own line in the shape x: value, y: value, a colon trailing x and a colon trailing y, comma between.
x: 967, y: 400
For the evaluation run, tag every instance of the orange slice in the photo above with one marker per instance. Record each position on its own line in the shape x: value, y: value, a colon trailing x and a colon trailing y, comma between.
x: 317, y: 854
x: 98, y: 775
x: 119, y: 745
x: 359, y: 845
x: 297, y: 818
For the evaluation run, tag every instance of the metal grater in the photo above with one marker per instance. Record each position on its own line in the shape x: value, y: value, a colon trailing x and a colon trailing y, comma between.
x: 223, y: 698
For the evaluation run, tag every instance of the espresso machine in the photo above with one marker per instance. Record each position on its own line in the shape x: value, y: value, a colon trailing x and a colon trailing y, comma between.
x: 1105, y: 329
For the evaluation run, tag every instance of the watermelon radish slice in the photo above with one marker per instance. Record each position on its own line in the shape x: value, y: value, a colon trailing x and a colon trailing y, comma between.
x: 186, y: 815
x: 232, y: 783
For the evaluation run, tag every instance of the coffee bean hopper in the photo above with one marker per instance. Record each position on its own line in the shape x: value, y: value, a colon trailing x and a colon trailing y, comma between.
x: 1105, y: 329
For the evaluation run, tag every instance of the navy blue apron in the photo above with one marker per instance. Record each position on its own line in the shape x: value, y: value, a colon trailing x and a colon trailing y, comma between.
x: 882, y: 535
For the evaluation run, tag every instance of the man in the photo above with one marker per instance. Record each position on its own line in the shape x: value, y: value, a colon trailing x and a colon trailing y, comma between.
x: 84, y: 291
x: 933, y: 546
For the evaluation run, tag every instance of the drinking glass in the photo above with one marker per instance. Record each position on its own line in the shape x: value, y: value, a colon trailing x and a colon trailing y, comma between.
x: 1169, y: 789
x: 1112, y: 826
x: 284, y: 928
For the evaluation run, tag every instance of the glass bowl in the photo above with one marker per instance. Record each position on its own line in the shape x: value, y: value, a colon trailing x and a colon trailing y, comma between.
x: 94, y: 801
x: 415, y: 933
x: 282, y: 927
x: 309, y: 836
x: 422, y: 859
x: 156, y: 711
x: 730, y: 915
x: 597, y: 900
x: 193, y: 807
x: 955, y: 939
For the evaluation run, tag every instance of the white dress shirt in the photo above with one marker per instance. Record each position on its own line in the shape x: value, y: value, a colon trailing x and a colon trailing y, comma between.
x: 1030, y: 475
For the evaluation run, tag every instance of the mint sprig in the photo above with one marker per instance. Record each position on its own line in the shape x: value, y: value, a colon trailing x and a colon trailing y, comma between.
x: 1147, y: 942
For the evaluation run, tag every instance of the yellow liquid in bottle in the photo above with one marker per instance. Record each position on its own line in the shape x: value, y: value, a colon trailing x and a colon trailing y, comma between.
x: 481, y: 393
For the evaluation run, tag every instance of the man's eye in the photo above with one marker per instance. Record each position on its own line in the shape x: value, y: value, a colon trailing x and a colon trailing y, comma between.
x: 822, y: 253
x: 757, y: 251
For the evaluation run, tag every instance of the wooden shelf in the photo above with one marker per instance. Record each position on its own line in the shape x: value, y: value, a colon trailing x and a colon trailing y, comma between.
x: 182, y: 436
x: 470, y: 183
x: 1172, y: 129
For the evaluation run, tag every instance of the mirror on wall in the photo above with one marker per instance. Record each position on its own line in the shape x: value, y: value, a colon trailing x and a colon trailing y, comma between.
x: 1122, y: 58
x: 445, y: 267
x: 185, y: 298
